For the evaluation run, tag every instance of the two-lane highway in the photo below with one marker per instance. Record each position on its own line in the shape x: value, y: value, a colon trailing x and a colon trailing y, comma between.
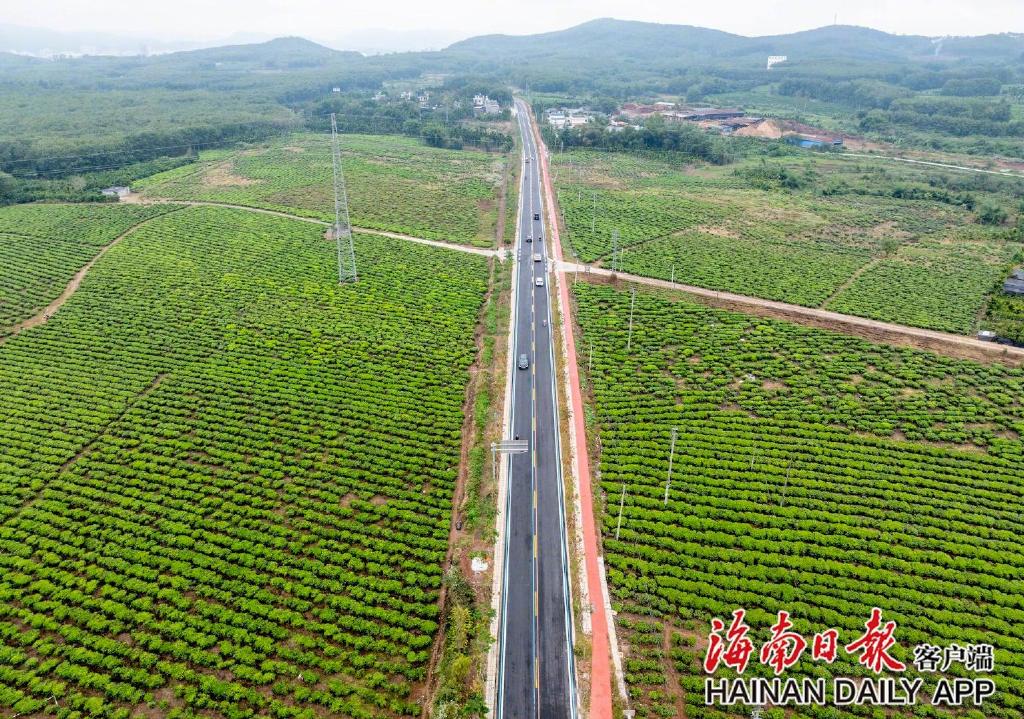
x: 536, y: 670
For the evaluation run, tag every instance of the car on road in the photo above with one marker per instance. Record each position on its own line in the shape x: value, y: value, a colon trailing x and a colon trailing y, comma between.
x: 524, y: 362
x: 537, y: 257
x: 536, y: 215
x: 539, y: 282
x: 529, y: 239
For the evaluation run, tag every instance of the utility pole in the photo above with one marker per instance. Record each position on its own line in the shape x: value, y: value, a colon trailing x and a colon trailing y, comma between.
x: 590, y: 362
x: 785, y: 486
x: 632, y: 304
x: 615, y: 250
x: 671, y: 455
x: 673, y: 281
x: 342, y: 227
x: 622, y: 502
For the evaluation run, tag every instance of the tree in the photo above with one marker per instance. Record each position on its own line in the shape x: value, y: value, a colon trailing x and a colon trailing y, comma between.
x: 434, y: 135
x: 991, y: 214
x: 8, y: 188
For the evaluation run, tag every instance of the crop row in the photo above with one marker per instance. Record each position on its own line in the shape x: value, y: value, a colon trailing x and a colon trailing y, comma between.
x: 42, y: 246
x: 788, y: 491
x: 937, y: 286
x: 228, y: 481
x: 393, y: 183
x: 854, y: 239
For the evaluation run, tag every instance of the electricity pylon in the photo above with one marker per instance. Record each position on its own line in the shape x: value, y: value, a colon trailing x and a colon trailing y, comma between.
x: 342, y: 228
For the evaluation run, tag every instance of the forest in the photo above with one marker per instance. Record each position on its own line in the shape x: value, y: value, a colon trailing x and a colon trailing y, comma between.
x: 967, y: 98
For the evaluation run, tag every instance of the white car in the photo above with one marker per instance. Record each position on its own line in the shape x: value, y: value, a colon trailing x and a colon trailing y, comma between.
x: 537, y: 257
x: 539, y: 282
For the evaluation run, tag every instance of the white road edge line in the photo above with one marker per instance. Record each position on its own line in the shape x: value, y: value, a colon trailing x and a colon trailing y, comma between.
x: 496, y: 656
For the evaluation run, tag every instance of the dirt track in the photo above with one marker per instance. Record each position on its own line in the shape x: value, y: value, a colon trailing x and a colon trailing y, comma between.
x: 44, y: 314
x: 874, y: 330
x: 135, y: 199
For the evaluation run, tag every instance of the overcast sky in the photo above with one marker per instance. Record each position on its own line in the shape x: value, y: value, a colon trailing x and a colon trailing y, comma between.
x: 206, y: 19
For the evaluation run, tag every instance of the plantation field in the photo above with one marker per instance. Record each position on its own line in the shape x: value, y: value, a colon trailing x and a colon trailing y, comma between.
x: 902, y: 245
x: 813, y: 473
x: 42, y: 246
x: 394, y: 183
x: 1005, y: 316
x: 933, y: 284
x: 226, y: 482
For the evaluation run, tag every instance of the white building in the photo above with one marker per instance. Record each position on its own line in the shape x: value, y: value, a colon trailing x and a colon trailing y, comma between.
x: 575, y: 117
x: 484, y: 104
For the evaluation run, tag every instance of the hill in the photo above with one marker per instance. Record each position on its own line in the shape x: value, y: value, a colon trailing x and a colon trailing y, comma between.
x: 604, y: 38
x: 608, y: 38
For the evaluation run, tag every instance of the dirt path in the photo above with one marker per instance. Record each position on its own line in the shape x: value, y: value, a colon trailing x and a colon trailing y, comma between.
x: 44, y: 314
x: 499, y: 229
x: 457, y: 554
x: 849, y: 281
x: 484, y: 252
x: 942, y: 343
x: 944, y: 165
x: 364, y: 230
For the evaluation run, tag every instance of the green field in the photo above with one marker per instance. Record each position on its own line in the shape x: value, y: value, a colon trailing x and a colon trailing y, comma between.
x: 901, y: 244
x: 1005, y: 316
x: 43, y: 246
x: 226, y: 481
x: 394, y: 183
x: 814, y: 473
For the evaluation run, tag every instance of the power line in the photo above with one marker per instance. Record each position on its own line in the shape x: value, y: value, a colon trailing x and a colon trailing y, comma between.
x: 125, y: 149
x: 70, y: 171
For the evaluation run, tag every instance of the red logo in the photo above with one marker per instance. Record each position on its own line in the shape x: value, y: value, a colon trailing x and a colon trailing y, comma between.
x: 736, y: 653
x: 874, y: 645
x: 783, y: 650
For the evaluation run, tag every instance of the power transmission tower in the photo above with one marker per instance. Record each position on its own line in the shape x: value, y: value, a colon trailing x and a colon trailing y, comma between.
x: 342, y: 228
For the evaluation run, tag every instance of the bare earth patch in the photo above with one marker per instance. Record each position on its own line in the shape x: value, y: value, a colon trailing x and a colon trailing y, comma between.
x: 718, y: 231
x: 222, y: 177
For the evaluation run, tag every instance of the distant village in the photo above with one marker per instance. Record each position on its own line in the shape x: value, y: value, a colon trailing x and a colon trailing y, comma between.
x: 726, y: 120
x: 482, y: 104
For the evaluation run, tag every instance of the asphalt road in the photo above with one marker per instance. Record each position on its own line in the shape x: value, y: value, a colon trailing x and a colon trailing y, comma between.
x: 536, y: 672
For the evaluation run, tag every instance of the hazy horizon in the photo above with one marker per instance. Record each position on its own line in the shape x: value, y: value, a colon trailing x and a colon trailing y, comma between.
x: 408, y: 25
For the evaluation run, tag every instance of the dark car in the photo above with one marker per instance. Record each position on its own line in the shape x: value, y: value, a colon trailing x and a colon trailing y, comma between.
x: 536, y: 215
x: 524, y: 362
x: 529, y: 239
